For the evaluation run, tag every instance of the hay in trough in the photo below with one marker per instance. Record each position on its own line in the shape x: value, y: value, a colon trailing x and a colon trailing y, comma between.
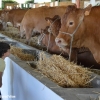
x: 18, y: 52
x: 11, y: 32
x: 63, y: 72
x: 15, y: 34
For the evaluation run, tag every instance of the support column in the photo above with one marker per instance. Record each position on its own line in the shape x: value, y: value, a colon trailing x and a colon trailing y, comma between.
x: 78, y: 3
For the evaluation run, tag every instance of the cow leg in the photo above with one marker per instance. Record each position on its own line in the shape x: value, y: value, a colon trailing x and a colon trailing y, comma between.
x: 4, y: 25
x: 22, y: 32
x: 74, y: 55
x: 22, y: 35
x: 28, y: 36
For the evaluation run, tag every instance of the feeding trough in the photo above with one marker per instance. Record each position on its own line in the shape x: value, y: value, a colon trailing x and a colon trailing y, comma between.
x: 55, y: 91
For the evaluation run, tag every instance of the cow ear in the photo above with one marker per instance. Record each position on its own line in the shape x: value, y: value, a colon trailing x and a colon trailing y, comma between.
x: 56, y: 17
x: 74, y: 4
x: 48, y: 19
x: 70, y: 8
x: 7, y: 13
x: 87, y: 10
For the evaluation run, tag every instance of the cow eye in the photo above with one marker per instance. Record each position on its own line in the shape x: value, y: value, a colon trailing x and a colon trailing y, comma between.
x: 70, y: 23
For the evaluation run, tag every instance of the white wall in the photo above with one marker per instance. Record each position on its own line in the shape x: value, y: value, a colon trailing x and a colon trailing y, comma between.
x: 41, y: 1
x: 22, y: 86
x: 0, y: 3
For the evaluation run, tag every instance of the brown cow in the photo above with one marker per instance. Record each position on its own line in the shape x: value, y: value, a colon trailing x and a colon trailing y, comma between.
x: 34, y: 19
x: 83, y: 55
x: 14, y: 16
x: 48, y: 39
x: 83, y: 26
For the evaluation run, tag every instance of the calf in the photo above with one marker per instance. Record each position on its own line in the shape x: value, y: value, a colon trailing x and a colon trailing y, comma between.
x: 14, y: 16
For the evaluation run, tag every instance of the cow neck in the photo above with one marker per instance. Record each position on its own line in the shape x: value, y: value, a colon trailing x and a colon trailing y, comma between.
x: 72, y: 36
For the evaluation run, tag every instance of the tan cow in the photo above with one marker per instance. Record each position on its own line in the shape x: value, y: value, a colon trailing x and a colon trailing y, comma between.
x: 34, y: 19
x: 14, y: 16
x: 81, y: 27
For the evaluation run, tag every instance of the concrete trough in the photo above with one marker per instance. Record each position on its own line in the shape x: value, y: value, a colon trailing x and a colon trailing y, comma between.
x: 17, y: 43
x: 1, y: 38
x: 4, y: 38
x: 63, y: 93
x: 50, y: 90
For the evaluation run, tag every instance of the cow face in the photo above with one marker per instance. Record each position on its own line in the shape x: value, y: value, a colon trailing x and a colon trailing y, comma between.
x: 72, y: 26
x: 4, y: 16
x: 54, y: 23
x: 4, y: 19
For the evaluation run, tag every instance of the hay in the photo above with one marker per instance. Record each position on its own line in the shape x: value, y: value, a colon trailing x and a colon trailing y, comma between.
x: 96, y: 71
x: 18, y: 52
x: 11, y: 32
x: 15, y: 34
x: 63, y: 72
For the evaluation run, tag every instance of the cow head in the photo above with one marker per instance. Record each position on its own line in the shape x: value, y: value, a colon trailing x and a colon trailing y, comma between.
x: 72, y: 25
x: 4, y: 18
x: 54, y: 23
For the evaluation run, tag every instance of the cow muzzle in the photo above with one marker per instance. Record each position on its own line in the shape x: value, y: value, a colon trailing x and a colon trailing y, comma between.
x: 61, y: 42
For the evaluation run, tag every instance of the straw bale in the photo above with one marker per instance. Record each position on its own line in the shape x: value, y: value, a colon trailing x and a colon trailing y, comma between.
x: 63, y: 72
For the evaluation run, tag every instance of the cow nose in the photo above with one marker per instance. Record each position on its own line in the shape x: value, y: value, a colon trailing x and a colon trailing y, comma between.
x: 58, y: 40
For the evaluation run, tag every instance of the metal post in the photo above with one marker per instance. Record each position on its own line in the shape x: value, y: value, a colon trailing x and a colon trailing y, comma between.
x: 78, y: 3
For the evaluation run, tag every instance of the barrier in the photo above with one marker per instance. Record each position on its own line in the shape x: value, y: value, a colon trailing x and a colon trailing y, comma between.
x: 22, y: 82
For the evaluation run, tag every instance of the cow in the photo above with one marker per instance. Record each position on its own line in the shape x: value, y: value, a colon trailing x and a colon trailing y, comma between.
x: 81, y: 56
x: 81, y: 25
x: 47, y: 39
x: 34, y: 20
x: 14, y: 16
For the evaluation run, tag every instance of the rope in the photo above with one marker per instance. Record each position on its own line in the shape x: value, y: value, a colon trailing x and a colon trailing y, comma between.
x: 72, y: 36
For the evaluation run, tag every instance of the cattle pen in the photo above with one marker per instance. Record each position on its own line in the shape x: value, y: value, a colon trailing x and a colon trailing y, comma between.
x: 39, y: 66
x: 24, y: 82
